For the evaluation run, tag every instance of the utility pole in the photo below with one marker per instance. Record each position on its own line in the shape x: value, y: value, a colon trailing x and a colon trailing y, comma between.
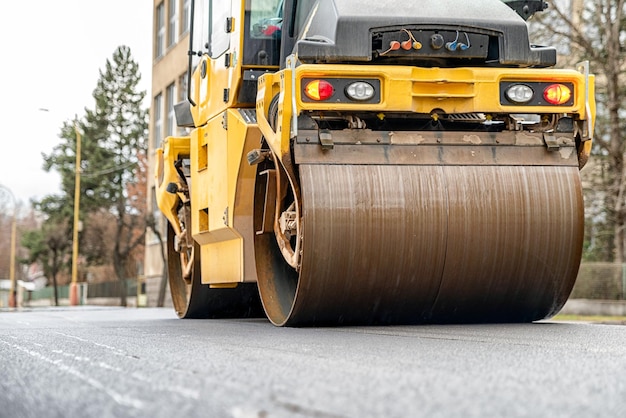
x: 13, y: 303
x: 74, y: 283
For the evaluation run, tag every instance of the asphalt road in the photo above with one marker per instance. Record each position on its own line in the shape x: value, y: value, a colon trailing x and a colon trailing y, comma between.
x: 114, y: 362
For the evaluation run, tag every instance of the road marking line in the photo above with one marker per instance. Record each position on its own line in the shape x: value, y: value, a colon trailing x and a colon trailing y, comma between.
x: 117, y: 397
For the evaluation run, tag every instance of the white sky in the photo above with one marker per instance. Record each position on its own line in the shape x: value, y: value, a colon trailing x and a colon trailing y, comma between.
x: 51, y: 52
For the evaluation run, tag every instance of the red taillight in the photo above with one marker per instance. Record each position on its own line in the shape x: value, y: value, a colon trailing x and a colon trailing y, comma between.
x: 319, y: 90
x: 557, y: 94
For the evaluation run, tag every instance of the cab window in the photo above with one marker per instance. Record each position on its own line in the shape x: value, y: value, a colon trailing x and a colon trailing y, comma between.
x: 220, y: 11
x: 200, y: 40
x: 263, y: 30
x: 266, y: 18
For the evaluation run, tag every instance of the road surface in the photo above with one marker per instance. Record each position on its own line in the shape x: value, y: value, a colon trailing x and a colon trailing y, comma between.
x: 115, y: 362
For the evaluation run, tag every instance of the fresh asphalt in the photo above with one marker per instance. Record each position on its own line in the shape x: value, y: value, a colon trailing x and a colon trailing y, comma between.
x: 115, y: 362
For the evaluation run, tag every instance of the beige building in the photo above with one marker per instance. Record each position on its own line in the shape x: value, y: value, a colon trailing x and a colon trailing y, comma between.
x: 169, y: 86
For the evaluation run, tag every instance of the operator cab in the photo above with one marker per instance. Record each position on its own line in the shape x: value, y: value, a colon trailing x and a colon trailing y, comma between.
x: 262, y: 29
x: 211, y: 34
x: 213, y: 24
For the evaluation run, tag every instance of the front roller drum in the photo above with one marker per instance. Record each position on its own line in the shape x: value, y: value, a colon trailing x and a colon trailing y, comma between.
x: 427, y: 244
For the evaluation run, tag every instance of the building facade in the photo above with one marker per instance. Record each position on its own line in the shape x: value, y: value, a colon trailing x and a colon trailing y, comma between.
x: 169, y: 86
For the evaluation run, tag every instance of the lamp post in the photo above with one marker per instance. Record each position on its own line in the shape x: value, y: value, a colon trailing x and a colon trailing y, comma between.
x: 74, y: 283
x: 13, y: 291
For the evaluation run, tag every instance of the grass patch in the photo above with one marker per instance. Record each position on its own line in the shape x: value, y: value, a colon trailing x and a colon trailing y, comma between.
x: 591, y: 318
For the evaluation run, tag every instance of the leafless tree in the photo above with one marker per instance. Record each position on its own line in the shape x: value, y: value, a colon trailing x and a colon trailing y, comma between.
x: 594, y: 30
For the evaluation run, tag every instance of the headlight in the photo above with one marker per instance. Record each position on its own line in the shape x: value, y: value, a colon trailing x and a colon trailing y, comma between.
x: 519, y: 93
x: 360, y: 91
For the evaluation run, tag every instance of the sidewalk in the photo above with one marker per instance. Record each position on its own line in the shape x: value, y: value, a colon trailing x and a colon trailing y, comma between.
x: 589, y: 307
x: 582, y: 307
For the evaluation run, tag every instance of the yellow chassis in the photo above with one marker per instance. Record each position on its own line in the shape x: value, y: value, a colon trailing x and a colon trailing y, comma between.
x: 222, y: 186
x: 419, y: 90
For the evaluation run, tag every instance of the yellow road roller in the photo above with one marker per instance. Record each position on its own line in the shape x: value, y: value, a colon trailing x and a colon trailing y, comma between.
x: 374, y: 162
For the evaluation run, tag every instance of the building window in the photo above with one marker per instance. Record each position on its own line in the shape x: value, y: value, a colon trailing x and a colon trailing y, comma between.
x: 182, y: 87
x: 182, y: 97
x: 173, y: 22
x: 160, y: 31
x: 158, y: 120
x: 171, y: 116
x: 186, y: 16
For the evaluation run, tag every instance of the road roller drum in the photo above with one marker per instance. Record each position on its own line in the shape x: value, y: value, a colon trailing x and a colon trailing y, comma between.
x: 424, y: 244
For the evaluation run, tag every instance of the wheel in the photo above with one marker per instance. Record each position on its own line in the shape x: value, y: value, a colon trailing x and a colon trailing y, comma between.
x: 277, y: 245
x: 190, y: 297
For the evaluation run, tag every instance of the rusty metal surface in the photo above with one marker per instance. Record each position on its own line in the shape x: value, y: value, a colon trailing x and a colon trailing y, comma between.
x: 423, y: 244
x: 434, y: 155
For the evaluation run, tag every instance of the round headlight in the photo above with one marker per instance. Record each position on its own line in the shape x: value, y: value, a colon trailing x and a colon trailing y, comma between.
x: 360, y: 91
x: 519, y: 93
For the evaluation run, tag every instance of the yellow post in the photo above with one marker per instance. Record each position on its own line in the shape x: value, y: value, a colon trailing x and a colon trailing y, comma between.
x: 142, y: 298
x: 13, y: 291
x: 74, y: 284
x: 12, y: 297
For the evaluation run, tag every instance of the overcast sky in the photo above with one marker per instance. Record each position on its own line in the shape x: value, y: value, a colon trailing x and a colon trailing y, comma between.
x: 50, y: 57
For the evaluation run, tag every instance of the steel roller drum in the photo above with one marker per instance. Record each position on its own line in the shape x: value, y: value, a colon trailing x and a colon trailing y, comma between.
x: 430, y: 244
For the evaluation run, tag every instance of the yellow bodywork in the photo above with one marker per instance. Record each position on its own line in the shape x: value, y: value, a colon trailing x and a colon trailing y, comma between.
x: 222, y: 194
x: 174, y: 148
x: 222, y: 182
x: 418, y: 90
x: 220, y: 210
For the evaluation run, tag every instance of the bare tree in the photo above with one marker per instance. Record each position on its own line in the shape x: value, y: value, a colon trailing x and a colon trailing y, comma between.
x: 594, y: 30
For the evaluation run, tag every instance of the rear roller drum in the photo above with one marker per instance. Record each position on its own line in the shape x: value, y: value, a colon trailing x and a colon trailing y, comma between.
x: 192, y: 299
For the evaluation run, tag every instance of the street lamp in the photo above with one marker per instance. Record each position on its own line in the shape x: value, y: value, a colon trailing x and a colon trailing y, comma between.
x: 74, y: 283
x: 13, y: 291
